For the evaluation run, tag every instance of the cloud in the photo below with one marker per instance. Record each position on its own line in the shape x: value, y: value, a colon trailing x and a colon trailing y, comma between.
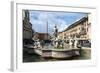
x: 62, y: 20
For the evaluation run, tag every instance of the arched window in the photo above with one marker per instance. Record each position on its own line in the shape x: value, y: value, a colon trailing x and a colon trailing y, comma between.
x: 27, y: 14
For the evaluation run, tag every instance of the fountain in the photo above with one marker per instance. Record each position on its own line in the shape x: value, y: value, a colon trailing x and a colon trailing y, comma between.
x: 58, y: 49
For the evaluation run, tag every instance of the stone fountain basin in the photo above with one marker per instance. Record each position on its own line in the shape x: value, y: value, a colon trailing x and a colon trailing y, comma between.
x: 57, y: 53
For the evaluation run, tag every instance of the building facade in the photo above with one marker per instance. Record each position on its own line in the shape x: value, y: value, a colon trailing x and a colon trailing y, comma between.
x: 41, y: 36
x: 27, y: 27
x: 80, y: 30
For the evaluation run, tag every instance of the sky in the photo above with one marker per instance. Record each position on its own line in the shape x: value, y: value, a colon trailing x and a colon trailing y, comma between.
x: 62, y: 20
